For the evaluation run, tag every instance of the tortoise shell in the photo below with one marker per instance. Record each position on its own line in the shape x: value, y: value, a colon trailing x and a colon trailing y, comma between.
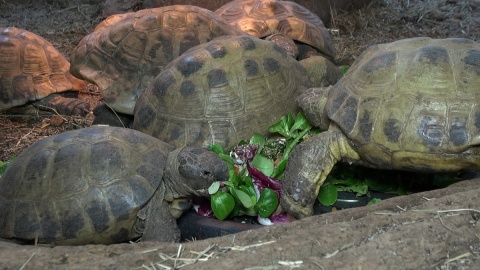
x: 31, y: 69
x: 410, y: 103
x: 82, y: 186
x: 261, y: 18
x: 126, y: 51
x: 222, y: 92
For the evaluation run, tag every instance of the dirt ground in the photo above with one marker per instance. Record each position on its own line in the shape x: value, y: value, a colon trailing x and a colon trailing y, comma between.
x: 433, y: 230
x: 437, y: 230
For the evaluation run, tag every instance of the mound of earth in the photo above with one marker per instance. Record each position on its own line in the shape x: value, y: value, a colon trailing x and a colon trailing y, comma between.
x: 432, y: 230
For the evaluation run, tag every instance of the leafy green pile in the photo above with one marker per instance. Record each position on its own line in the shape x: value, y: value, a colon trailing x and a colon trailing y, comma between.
x: 346, y: 178
x: 255, y: 168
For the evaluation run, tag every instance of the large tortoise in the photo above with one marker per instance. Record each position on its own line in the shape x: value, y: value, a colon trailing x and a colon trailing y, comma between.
x: 262, y: 18
x: 126, y: 51
x: 222, y: 92
x: 410, y: 105
x: 32, y: 70
x: 102, y: 185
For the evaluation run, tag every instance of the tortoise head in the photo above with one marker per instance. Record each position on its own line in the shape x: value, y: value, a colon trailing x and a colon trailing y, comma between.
x: 313, y: 101
x: 191, y: 171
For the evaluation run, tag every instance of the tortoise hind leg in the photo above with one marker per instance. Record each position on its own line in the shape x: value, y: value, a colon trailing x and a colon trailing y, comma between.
x: 63, y: 105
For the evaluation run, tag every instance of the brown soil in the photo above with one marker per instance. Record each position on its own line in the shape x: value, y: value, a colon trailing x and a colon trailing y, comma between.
x: 365, y: 238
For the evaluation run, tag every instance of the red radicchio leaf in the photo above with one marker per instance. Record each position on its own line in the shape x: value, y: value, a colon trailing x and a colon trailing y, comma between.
x: 202, y: 207
x: 280, y: 218
x: 245, y: 153
x: 263, y: 181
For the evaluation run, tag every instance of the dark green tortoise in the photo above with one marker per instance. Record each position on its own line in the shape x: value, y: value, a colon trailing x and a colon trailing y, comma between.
x: 410, y: 105
x: 102, y: 185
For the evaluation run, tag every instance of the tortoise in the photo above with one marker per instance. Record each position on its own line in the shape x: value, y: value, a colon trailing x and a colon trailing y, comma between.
x: 102, y: 185
x: 262, y: 18
x: 407, y: 105
x: 221, y: 91
x: 126, y: 51
x: 321, y: 8
x: 33, y: 70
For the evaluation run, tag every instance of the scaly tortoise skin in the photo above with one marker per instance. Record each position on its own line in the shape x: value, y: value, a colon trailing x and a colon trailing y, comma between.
x: 101, y: 185
x: 126, y: 51
x: 222, y: 92
x: 262, y: 18
x: 409, y: 105
x: 32, y: 69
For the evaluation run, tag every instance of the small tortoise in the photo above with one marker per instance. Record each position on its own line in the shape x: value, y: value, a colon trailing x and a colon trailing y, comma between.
x: 126, y: 51
x: 410, y: 105
x: 262, y: 18
x: 222, y: 92
x: 101, y: 185
x: 32, y: 70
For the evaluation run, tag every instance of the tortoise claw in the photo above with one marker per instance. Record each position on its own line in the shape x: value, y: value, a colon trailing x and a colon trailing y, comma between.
x: 296, y: 209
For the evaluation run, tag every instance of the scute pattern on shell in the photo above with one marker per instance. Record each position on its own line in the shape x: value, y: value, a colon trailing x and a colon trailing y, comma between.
x: 31, y: 69
x: 83, y: 186
x: 409, y: 103
x: 261, y: 18
x: 221, y: 92
x: 126, y: 51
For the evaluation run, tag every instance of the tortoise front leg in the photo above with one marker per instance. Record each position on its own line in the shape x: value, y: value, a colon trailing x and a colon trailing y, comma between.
x: 155, y: 221
x: 308, y: 167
